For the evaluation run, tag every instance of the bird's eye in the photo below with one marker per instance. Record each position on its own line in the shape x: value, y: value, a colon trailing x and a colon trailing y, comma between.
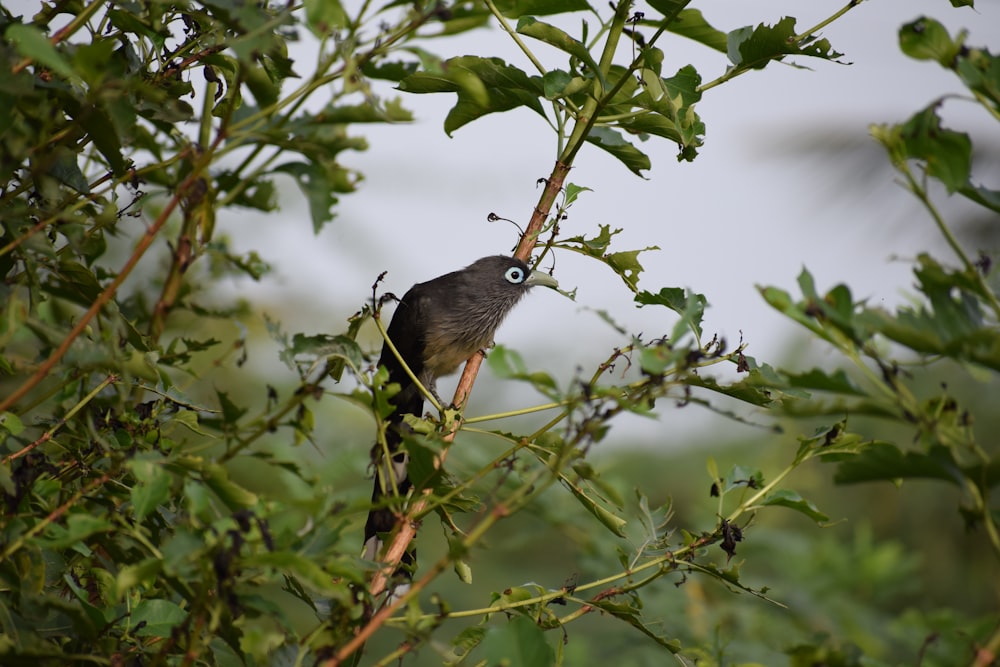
x: 514, y: 275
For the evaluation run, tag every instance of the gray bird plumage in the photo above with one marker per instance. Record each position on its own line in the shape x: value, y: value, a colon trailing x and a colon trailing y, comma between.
x: 438, y: 325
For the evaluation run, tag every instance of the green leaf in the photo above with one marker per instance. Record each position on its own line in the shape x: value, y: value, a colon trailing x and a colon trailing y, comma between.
x: 611, y: 521
x: 982, y: 196
x: 947, y: 154
x: 273, y: 481
x: 792, y: 500
x: 689, y: 305
x: 234, y: 496
x: 630, y: 612
x: 78, y: 527
x: 153, y: 484
x: 31, y: 43
x: 926, y: 39
x: 386, y: 111
x: 63, y: 167
x: 508, y: 364
x: 231, y: 412
x: 555, y: 37
x: 466, y: 641
x: 754, y: 48
x: 11, y: 423
x: 99, y: 127
x: 980, y: 71
x: 886, y: 462
x: 518, y: 642
x: 627, y: 154
x: 954, y: 326
x: 338, y: 350
x: 749, y: 390
x: 324, y: 16
x: 669, y: 8
x: 836, y: 382
x: 513, y: 9
x: 691, y: 24
x: 320, y: 579
x: 483, y: 85
x: 572, y: 192
x: 314, y: 182
x: 156, y: 618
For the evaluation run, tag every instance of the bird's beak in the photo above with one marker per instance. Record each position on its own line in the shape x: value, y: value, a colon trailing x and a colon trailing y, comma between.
x: 539, y: 278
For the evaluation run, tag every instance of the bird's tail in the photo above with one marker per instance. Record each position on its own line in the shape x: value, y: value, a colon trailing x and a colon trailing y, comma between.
x: 391, y: 482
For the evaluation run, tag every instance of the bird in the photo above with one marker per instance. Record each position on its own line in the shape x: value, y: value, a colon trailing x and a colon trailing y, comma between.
x: 437, y: 326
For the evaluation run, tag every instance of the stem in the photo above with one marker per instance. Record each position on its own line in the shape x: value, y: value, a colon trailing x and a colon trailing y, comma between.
x: 921, y: 193
x: 517, y: 38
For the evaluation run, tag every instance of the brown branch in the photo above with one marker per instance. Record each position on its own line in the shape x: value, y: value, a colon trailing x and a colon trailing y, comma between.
x: 104, y: 297
x: 408, y: 530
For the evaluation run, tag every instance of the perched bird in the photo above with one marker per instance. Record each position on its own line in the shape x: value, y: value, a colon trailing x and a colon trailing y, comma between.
x: 438, y: 325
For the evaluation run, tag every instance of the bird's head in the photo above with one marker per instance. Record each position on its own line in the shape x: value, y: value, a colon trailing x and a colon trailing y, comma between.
x: 506, y: 275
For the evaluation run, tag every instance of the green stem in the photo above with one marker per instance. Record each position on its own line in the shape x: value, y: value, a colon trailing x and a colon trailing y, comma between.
x: 402, y: 362
x: 517, y: 38
x: 921, y: 193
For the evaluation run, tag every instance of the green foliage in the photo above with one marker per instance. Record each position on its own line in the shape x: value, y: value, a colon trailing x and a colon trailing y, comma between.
x: 156, y: 510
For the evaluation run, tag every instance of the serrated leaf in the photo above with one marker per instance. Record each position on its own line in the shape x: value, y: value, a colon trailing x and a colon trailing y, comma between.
x: 947, y: 154
x: 689, y: 305
x: 754, y: 48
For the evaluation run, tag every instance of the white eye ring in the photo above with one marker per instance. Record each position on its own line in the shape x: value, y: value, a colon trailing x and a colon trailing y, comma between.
x: 514, y: 275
